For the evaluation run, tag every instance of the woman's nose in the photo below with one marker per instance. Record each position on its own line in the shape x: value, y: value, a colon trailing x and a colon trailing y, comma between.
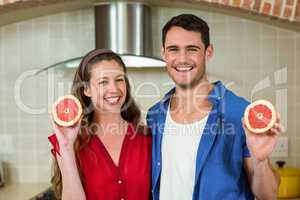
x: 113, y: 86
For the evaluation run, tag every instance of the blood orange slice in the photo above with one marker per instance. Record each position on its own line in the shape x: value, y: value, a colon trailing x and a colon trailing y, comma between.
x: 260, y: 116
x: 66, y: 110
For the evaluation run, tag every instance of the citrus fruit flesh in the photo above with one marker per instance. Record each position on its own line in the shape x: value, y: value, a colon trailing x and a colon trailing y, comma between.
x: 260, y: 116
x: 66, y: 110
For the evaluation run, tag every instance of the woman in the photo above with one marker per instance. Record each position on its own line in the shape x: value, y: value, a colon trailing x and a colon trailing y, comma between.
x: 107, y: 155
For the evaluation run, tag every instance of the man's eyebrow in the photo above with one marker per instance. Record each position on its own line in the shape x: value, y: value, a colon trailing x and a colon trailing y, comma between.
x: 171, y: 47
x: 193, y: 46
x: 188, y: 46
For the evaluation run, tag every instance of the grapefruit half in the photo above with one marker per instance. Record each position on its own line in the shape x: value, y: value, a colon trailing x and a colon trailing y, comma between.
x: 66, y: 110
x: 260, y: 116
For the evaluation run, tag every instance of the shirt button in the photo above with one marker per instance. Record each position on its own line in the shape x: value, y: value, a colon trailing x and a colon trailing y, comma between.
x: 158, y: 163
x: 119, y: 181
x: 122, y: 199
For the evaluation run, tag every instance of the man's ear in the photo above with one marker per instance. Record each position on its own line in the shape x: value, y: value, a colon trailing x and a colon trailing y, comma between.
x: 209, y: 52
x: 162, y: 53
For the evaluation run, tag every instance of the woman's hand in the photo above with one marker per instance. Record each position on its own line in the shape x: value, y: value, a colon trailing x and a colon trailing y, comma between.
x: 66, y: 135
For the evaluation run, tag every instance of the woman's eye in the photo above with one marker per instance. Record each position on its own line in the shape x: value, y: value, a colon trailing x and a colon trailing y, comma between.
x: 120, y: 80
x: 103, y: 82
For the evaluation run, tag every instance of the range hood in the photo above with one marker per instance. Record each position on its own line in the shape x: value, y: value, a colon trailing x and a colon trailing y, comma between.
x: 125, y: 28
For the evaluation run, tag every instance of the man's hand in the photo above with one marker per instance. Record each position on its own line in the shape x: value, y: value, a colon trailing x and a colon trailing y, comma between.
x: 261, y: 145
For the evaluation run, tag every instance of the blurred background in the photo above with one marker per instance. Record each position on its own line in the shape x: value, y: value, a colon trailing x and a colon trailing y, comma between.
x: 257, y: 55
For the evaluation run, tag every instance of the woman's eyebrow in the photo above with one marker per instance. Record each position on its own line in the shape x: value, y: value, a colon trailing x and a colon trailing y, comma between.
x: 106, y: 77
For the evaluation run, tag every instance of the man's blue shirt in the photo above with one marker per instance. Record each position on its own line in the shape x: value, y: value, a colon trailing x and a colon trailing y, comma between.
x: 220, y: 172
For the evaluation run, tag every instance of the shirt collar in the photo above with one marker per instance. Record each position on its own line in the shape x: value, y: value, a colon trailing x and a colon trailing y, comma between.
x: 215, y: 96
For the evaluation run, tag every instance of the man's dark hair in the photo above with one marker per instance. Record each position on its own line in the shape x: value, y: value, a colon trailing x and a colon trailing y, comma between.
x: 188, y: 22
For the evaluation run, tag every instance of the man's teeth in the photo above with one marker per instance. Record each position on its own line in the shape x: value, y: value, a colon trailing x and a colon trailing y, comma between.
x: 112, y: 99
x: 183, y: 69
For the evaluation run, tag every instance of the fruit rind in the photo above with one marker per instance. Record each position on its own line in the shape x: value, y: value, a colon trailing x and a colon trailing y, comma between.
x: 66, y: 123
x: 272, y: 120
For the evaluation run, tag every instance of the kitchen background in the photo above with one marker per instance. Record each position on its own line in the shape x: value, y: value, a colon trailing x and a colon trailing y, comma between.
x: 254, y: 59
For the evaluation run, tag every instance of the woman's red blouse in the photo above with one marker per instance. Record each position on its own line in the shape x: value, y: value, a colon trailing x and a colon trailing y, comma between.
x: 131, y: 180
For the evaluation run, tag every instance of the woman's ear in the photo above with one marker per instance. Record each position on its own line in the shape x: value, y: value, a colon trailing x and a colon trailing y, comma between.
x: 87, y: 91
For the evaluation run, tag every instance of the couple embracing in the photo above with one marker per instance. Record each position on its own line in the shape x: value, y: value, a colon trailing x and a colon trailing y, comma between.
x: 184, y: 152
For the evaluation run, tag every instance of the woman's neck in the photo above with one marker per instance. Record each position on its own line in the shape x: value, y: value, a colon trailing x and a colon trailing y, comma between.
x: 107, y: 118
x: 109, y: 123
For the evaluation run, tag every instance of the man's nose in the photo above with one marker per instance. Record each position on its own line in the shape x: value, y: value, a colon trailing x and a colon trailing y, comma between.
x: 182, y: 57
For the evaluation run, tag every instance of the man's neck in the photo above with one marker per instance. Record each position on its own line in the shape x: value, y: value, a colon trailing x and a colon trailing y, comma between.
x: 192, y: 99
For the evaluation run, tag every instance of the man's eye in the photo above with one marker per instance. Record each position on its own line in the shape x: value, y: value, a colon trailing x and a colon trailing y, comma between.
x: 173, y: 50
x: 193, y: 49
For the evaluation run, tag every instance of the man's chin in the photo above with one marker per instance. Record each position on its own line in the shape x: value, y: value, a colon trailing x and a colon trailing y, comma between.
x: 190, y: 85
x: 185, y: 86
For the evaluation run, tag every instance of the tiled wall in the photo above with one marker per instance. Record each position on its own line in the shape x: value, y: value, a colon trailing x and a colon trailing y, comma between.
x: 247, y: 55
x: 288, y: 10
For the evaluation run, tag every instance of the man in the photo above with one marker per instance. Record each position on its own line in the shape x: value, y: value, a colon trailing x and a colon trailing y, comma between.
x: 200, y: 148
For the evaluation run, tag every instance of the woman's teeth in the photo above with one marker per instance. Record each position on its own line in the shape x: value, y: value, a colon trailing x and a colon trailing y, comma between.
x: 112, y: 100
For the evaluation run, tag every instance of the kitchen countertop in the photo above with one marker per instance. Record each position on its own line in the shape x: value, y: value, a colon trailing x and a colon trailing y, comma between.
x: 22, y: 191
x: 25, y: 191
x: 290, y: 199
